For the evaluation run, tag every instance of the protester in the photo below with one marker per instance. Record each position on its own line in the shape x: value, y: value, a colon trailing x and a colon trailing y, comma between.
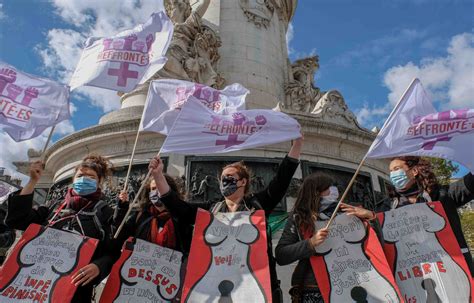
x: 415, y: 182
x: 153, y: 222
x: 83, y: 210
x: 317, y: 199
x: 235, y: 187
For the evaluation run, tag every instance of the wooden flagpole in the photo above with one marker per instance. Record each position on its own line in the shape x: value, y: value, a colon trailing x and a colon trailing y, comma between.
x: 365, y: 157
x: 131, y: 159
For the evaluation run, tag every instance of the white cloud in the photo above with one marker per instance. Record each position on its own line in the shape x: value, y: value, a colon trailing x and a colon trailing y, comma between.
x: 289, y: 37
x: 88, y: 18
x: 2, y: 13
x: 18, y: 151
x: 448, y: 80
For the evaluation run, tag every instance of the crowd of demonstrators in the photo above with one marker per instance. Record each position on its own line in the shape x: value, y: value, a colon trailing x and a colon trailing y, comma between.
x: 83, y: 211
x: 164, y: 217
x: 235, y: 187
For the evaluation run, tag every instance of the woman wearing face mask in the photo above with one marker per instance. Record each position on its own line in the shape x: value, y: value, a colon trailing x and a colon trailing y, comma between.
x: 317, y: 199
x: 415, y: 182
x: 152, y: 222
x: 83, y: 211
x: 235, y: 186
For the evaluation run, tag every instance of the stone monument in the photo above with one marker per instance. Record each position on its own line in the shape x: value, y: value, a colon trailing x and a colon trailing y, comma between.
x: 220, y: 42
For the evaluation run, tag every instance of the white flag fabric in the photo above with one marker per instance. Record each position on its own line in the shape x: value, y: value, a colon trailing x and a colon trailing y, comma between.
x: 415, y: 128
x: 199, y: 130
x: 5, y: 190
x: 166, y: 97
x: 29, y: 104
x: 127, y: 59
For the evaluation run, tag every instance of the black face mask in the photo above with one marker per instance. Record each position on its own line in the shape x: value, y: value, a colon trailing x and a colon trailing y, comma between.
x: 229, y: 186
x: 154, y: 198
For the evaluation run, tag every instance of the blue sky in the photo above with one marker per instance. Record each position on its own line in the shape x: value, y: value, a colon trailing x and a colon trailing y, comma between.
x: 369, y: 51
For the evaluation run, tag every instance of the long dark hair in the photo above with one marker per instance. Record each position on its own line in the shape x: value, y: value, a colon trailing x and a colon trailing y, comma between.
x: 306, y: 207
x: 425, y: 178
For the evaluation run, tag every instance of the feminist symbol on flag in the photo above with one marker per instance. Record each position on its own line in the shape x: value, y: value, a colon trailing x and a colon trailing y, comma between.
x: 438, y: 127
x: 16, y: 112
x: 240, y: 125
x: 126, y: 51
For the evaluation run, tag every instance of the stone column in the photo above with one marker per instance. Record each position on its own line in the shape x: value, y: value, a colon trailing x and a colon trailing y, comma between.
x: 253, y: 50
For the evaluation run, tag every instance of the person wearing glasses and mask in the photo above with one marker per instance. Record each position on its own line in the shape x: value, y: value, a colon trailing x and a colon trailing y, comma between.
x: 316, y: 200
x: 84, y: 211
x: 235, y: 187
x: 152, y: 222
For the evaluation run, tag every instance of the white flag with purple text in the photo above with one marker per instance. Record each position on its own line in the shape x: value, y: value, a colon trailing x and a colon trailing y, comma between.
x: 166, y: 97
x: 127, y: 59
x: 29, y: 104
x: 415, y: 128
x: 199, y: 130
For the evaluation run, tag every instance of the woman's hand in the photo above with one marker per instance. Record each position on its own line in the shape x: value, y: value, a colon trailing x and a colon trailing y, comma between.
x: 156, y: 166
x: 359, y: 212
x: 85, y: 275
x: 36, y: 170
x: 296, y: 147
x: 318, y: 237
x: 123, y: 196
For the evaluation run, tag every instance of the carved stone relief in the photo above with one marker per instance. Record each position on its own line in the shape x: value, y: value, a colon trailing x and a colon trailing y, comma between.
x: 259, y: 12
x: 304, y: 97
x: 301, y: 94
x: 331, y: 107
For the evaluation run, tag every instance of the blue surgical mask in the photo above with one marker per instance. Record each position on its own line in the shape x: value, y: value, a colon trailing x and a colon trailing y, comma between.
x: 399, y: 179
x: 84, y: 186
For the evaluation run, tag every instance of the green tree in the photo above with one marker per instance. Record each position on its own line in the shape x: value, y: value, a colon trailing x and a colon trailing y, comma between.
x: 443, y: 169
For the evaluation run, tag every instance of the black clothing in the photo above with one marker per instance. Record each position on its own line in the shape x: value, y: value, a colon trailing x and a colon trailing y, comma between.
x: 139, y: 223
x: 293, y: 247
x: 452, y: 197
x: 21, y: 214
x: 266, y: 200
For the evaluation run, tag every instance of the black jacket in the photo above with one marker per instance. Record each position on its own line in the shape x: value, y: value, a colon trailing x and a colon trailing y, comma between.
x: 266, y: 199
x: 139, y: 223
x: 292, y: 247
x: 21, y: 214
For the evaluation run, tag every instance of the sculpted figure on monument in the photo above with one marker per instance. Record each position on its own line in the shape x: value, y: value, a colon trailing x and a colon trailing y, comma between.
x: 192, y: 54
x: 332, y: 108
x: 301, y: 94
x: 259, y: 12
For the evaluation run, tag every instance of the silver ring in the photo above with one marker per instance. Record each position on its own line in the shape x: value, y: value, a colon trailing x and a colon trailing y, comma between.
x: 82, y: 273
